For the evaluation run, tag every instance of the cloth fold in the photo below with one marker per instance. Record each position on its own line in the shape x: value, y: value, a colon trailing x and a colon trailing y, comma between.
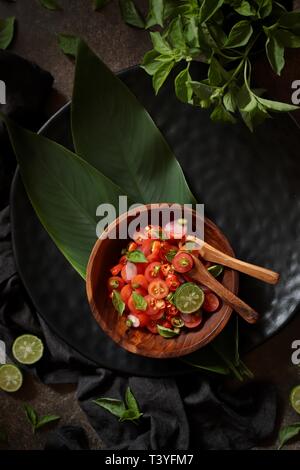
x: 179, y: 414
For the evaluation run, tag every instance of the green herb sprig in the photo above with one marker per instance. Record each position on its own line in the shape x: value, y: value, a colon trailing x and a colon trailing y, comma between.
x: 287, y: 433
x: 36, y: 421
x: 226, y: 35
x: 125, y: 411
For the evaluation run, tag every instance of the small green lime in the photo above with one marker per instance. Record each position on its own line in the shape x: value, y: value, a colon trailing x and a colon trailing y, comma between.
x: 189, y: 298
x: 27, y: 349
x: 295, y: 398
x: 11, y: 378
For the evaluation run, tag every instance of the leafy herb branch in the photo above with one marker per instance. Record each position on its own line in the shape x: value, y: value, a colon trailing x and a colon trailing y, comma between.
x: 125, y: 411
x: 36, y: 421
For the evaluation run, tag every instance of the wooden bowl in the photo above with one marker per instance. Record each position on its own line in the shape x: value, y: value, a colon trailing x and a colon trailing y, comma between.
x: 106, y: 254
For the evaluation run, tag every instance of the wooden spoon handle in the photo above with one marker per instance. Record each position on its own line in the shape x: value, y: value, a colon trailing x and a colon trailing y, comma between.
x: 205, y: 278
x: 209, y: 253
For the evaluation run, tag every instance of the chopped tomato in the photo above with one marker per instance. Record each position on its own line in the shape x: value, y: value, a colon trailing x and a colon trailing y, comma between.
x: 153, y: 271
x: 116, y: 269
x: 158, y: 289
x: 154, y: 305
x: 172, y: 282
x: 155, y: 251
x: 167, y: 269
x: 152, y: 327
x: 115, y: 282
x: 140, y: 267
x: 139, y: 281
x: 128, y: 271
x: 192, y: 320
x: 158, y: 315
x: 144, y: 319
x: 171, y: 309
x: 126, y: 292
x: 183, y: 262
x: 211, y: 302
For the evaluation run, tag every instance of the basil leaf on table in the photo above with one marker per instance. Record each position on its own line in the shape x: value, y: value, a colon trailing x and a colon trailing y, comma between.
x: 128, y: 411
x: 183, y: 88
x: 275, y: 54
x: 130, y: 14
x: 118, y: 302
x: 34, y: 419
x: 50, y: 4
x: 68, y: 43
x: 139, y: 301
x: 136, y: 257
x: 155, y: 13
x: 287, y: 433
x: 6, y: 31
x: 113, y: 132
x: 56, y: 181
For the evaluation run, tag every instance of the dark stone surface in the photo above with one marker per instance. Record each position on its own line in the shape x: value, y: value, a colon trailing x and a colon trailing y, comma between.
x: 120, y: 47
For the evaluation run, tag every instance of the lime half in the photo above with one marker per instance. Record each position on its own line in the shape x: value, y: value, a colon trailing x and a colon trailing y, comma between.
x: 295, y: 398
x: 11, y: 378
x: 27, y: 349
x: 189, y: 298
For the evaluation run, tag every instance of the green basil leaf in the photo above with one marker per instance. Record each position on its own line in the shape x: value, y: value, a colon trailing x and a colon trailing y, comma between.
x: 56, y: 181
x: 150, y: 64
x: 221, y: 114
x: 229, y: 101
x: 191, y: 33
x: 50, y: 4
x: 130, y: 14
x: 171, y: 255
x: 118, y: 302
x: 287, y: 38
x: 136, y: 257
x: 31, y: 415
x: 265, y: 8
x: 275, y: 54
x: 139, y: 301
x: 131, y: 402
x: 175, y: 34
x: 216, y: 270
x: 162, y: 74
x: 68, y: 43
x: 202, y: 90
x: 115, y: 407
x: 239, y: 35
x: 156, y: 13
x: 217, y: 75
x: 276, y: 105
x: 160, y: 44
x: 98, y: 4
x: 290, y: 20
x: 7, y: 28
x: 245, y: 9
x: 130, y: 415
x: 166, y: 332
x: 140, y: 161
x: 46, y: 420
x: 183, y: 89
x: 208, y: 9
x: 287, y: 433
x: 252, y: 112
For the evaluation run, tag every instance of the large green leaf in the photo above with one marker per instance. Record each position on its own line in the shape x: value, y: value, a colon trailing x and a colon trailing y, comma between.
x: 65, y: 192
x: 114, y: 133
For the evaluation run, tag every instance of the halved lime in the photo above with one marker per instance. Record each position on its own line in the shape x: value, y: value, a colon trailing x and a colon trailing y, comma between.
x: 295, y: 398
x: 27, y: 349
x: 189, y: 298
x: 11, y: 378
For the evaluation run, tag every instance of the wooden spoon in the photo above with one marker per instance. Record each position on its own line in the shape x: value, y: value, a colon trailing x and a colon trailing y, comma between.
x: 209, y: 253
x: 200, y: 274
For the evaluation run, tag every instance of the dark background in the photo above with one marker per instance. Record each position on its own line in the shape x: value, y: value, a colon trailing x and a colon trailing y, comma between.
x: 119, y: 46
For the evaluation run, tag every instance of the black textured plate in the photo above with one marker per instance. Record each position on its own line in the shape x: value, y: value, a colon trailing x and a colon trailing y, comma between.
x: 250, y: 186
